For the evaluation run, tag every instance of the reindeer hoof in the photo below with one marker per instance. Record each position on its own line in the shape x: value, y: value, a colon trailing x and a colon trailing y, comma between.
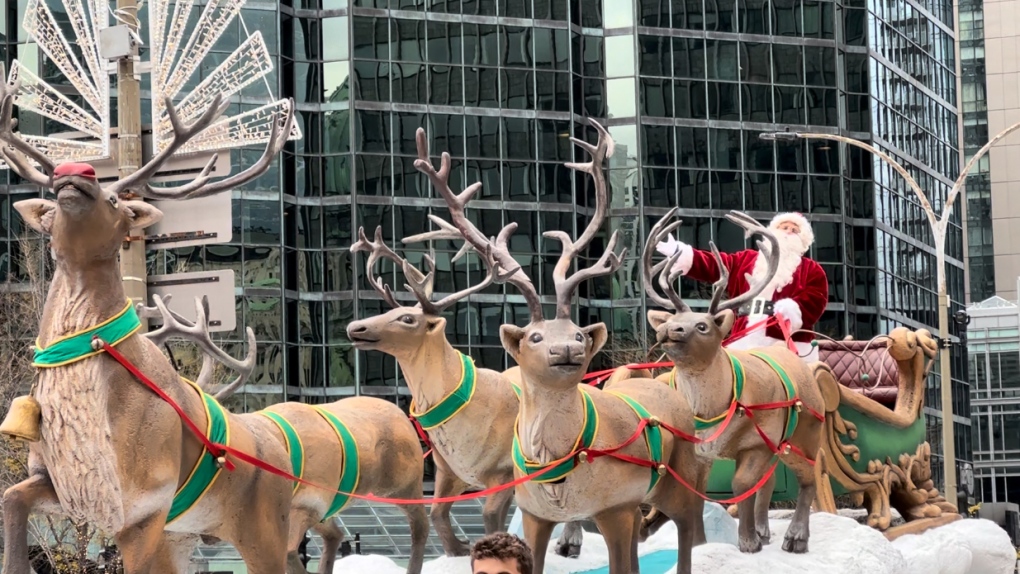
x: 750, y: 546
x: 795, y: 545
x: 568, y: 550
x: 764, y: 536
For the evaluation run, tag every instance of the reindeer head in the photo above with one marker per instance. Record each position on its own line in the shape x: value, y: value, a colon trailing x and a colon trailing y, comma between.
x: 403, y: 331
x: 87, y: 222
x: 555, y: 353
x: 688, y: 338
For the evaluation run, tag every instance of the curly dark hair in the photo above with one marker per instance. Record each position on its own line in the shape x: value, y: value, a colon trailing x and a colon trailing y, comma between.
x: 503, y: 546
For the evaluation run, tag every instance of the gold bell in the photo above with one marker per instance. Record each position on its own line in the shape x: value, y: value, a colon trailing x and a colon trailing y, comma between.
x: 653, y: 421
x: 583, y: 456
x: 221, y: 461
x: 798, y: 405
x: 662, y: 470
x: 740, y: 411
x: 786, y: 449
x: 23, y: 419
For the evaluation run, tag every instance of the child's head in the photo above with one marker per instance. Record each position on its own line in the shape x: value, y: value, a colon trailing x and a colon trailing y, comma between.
x: 501, y: 553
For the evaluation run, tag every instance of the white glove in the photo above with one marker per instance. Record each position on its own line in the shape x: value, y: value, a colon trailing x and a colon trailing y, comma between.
x: 670, y: 246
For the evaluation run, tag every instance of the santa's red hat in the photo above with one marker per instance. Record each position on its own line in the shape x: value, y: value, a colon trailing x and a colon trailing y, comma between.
x: 74, y: 169
x: 806, y: 233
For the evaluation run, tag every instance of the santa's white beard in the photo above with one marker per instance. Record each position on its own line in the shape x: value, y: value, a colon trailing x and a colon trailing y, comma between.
x: 791, y: 250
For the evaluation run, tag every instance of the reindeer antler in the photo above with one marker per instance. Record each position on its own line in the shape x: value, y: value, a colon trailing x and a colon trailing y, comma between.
x: 200, y: 186
x: 174, y: 325
x: 755, y: 288
x: 497, y: 248
x: 16, y: 151
x: 379, y: 250
x: 436, y: 308
x: 610, y: 260
x: 663, y: 271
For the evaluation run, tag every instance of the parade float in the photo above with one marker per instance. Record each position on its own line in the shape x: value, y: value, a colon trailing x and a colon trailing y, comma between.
x: 119, y: 439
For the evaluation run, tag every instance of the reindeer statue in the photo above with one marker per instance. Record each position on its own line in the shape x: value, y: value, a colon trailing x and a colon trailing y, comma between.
x: 361, y: 445
x: 756, y: 396
x: 452, y: 397
x: 111, y: 452
x: 561, y: 423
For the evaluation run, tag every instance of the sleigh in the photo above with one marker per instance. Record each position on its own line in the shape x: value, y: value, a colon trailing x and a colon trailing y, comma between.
x: 874, y: 450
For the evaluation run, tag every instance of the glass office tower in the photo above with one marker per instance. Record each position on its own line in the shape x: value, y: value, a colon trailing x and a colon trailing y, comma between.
x: 684, y: 86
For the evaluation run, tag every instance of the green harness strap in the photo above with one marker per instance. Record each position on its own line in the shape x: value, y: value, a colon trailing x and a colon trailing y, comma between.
x: 701, y: 424
x: 584, y: 440
x: 206, y: 471
x: 517, y: 389
x: 350, y: 472
x: 452, y: 403
x: 78, y: 346
x: 791, y: 392
x: 653, y: 436
x: 295, y: 448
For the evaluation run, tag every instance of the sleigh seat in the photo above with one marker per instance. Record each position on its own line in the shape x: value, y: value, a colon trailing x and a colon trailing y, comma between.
x: 849, y: 360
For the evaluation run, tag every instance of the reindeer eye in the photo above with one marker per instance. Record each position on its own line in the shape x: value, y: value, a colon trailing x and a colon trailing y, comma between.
x: 113, y: 201
x: 703, y: 327
x: 536, y: 338
x: 407, y: 320
x: 579, y: 338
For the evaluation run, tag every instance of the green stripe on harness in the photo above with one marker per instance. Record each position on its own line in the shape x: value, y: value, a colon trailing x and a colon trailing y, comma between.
x: 206, y: 470
x: 350, y: 471
x: 77, y: 346
x: 452, y: 403
x: 584, y: 440
x: 791, y: 392
x: 653, y: 436
x: 295, y: 448
x: 738, y: 390
x: 517, y: 390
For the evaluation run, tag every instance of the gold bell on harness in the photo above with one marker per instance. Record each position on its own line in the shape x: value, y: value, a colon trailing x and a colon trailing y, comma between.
x: 582, y: 456
x: 653, y: 421
x: 23, y: 419
x: 662, y: 470
x: 798, y: 405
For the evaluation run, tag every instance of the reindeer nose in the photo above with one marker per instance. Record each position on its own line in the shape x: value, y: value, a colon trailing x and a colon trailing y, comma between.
x: 355, y: 329
x: 566, y: 354
x: 677, y: 332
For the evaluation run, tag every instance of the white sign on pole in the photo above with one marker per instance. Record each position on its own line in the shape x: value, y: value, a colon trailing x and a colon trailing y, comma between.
x: 198, y: 221
x: 218, y: 286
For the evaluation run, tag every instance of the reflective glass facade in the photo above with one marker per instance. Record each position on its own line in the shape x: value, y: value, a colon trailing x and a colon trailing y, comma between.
x: 685, y: 87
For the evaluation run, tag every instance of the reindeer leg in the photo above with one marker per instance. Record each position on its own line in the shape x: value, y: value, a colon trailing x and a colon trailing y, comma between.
x: 332, y: 535
x: 537, y: 533
x: 751, y: 464
x: 19, y: 502
x: 447, y: 484
x: 796, y: 540
x: 617, y: 526
x: 140, y: 544
x: 419, y: 531
x: 495, y: 509
x: 569, y: 543
x: 763, y: 499
x: 301, y: 520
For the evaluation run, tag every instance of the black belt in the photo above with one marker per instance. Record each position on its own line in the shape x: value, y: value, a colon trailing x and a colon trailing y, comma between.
x: 757, y: 307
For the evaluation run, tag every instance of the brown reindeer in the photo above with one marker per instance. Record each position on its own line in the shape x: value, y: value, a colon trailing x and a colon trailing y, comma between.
x: 557, y: 415
x: 453, y: 398
x: 111, y: 452
x: 386, y: 459
x: 709, y: 377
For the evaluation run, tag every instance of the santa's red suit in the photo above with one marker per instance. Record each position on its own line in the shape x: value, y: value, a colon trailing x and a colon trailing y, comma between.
x: 798, y: 291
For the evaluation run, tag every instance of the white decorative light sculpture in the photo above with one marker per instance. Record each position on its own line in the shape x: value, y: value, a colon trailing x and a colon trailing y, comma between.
x: 176, y: 51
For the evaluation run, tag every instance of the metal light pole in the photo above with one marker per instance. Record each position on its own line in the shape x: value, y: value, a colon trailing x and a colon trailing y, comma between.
x: 939, y: 225
x: 129, y: 138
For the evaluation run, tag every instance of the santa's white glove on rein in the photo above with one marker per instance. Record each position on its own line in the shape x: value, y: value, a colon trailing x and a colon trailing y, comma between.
x: 671, y: 246
x: 790, y: 311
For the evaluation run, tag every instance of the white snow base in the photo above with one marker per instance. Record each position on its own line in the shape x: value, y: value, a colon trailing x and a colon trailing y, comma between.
x: 838, y: 545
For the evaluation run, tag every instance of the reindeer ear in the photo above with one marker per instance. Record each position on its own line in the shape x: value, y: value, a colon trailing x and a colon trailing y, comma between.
x: 599, y: 334
x: 142, y: 214
x: 724, y: 320
x: 37, y: 213
x: 658, y: 318
x: 435, y: 325
x: 511, y: 336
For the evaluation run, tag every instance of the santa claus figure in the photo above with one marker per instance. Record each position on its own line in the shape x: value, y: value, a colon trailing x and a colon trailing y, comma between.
x: 798, y: 291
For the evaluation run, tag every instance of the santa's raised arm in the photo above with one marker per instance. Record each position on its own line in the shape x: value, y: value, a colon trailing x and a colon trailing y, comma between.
x: 799, y: 290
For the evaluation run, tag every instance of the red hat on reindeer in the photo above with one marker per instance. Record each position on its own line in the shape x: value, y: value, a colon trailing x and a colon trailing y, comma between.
x: 798, y: 291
